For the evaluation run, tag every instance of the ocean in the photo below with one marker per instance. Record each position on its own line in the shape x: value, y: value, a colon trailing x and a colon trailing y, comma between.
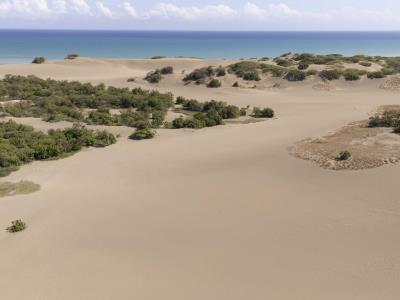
x: 23, y: 45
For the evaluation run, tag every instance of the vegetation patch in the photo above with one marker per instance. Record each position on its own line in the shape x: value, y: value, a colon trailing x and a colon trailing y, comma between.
x: 18, y: 188
x: 72, y: 56
x: 17, y: 225
x: 38, y: 60
x: 143, y: 134
x: 21, y: 144
x: 200, y: 75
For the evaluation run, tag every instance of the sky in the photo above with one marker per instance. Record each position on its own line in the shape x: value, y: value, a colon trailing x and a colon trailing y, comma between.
x: 201, y: 15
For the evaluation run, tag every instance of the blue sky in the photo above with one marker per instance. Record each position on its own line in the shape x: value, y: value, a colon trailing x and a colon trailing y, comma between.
x: 202, y: 15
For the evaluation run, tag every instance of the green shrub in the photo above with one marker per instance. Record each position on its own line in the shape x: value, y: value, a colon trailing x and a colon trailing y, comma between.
x: 38, y: 60
x: 236, y: 84
x: 17, y: 225
x: 344, y: 155
x: 275, y: 71
x: 351, y: 74
x: 131, y: 79
x: 365, y: 63
x: 376, y: 75
x: 389, y: 118
x: 311, y: 72
x: 199, y: 74
x: 153, y: 76
x: 167, y: 70
x: 158, y: 57
x: 295, y: 75
x: 251, y: 76
x: 214, y: 83
x: 142, y: 134
x: 72, y: 56
x: 263, y: 113
x: 283, y: 62
x: 303, y: 66
x: 333, y: 74
x: 244, y: 67
x: 220, y: 71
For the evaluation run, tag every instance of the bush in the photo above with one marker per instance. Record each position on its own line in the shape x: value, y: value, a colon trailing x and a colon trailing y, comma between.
x: 275, y: 71
x: 131, y: 79
x: 365, y: 63
x: 142, y: 134
x: 236, y: 84
x: 389, y: 118
x: 243, y: 67
x: 295, y: 75
x: 330, y: 74
x: 311, y: 72
x: 251, y: 76
x: 199, y: 74
x: 351, y: 74
x: 17, y: 225
x: 72, y: 56
x: 153, y: 76
x: 38, y: 60
x: 376, y: 75
x: 220, y: 71
x: 158, y: 57
x: 167, y: 70
x: 262, y: 113
x: 283, y: 62
x: 303, y: 66
x: 214, y: 83
x: 344, y: 155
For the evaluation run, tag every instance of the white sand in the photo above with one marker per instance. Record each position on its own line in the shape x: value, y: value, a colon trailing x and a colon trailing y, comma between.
x: 220, y: 213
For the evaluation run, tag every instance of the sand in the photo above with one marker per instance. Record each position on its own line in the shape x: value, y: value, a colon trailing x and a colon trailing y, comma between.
x: 218, y: 213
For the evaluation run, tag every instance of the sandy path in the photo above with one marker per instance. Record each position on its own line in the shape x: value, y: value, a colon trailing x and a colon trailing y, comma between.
x: 219, y: 213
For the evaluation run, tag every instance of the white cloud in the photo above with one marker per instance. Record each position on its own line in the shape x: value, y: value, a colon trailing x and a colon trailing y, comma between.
x: 253, y: 10
x: 104, y: 10
x: 169, y: 10
x: 30, y: 8
x: 81, y: 7
x: 130, y: 9
x: 282, y: 9
x: 59, y: 6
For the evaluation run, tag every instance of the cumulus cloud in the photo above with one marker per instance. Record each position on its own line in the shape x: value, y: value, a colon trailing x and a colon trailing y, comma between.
x: 253, y: 10
x: 169, y: 10
x: 25, y: 7
x: 104, y: 10
x: 81, y: 7
x: 130, y: 9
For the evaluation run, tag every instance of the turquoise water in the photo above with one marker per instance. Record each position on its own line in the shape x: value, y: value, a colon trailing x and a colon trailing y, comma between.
x: 23, y: 45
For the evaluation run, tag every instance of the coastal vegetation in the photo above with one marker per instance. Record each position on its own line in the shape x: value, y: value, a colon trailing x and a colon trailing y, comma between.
x: 55, y: 101
x: 262, y: 113
x: 153, y: 76
x: 199, y: 76
x: 143, y: 134
x: 72, y: 56
x: 17, y: 225
x: 38, y: 60
x: 21, y: 144
x: 344, y: 155
x: 18, y: 188
x: 214, y: 83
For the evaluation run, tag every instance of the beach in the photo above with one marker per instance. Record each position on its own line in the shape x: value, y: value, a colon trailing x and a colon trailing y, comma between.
x: 218, y: 213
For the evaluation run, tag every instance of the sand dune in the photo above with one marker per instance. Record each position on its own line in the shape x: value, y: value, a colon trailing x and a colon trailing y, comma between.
x: 218, y: 213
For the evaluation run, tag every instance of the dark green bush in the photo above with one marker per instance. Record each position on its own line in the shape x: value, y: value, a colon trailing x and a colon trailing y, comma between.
x: 167, y: 70
x: 20, y: 144
x: 351, y: 74
x: 295, y: 75
x: 283, y: 62
x: 365, y: 63
x: 17, y: 225
x: 214, y: 83
x: 263, y: 113
x: 344, y: 155
x: 376, y: 75
x: 244, y: 67
x: 72, y: 56
x: 303, y: 66
x: 236, y: 84
x: 131, y: 79
x: 38, y: 60
x: 275, y: 71
x: 153, y: 76
x: 389, y: 118
x: 220, y: 71
x: 251, y: 76
x: 333, y: 74
x: 200, y: 74
x: 158, y: 57
x: 142, y: 134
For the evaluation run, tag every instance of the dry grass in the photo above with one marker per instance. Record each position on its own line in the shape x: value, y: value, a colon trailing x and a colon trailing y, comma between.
x: 18, y: 188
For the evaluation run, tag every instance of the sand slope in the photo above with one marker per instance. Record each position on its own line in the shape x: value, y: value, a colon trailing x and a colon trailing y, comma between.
x: 219, y: 213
